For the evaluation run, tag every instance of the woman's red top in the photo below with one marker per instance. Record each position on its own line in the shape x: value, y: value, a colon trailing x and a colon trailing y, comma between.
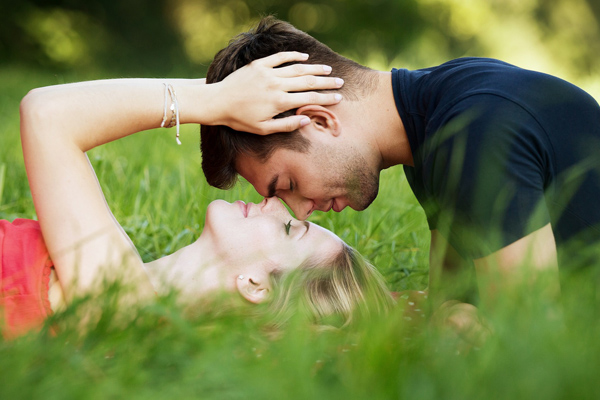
x: 24, y: 277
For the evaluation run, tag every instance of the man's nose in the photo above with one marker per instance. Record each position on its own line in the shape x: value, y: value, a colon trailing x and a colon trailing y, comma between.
x: 302, y: 207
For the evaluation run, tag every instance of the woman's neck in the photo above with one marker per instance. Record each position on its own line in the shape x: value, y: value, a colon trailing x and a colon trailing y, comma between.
x: 192, y: 270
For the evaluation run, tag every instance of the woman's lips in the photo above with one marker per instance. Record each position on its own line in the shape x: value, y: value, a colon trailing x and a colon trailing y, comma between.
x: 243, y: 207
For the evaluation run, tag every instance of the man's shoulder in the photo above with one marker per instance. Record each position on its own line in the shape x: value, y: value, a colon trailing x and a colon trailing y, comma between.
x: 459, y: 78
x: 458, y: 64
x: 474, y: 61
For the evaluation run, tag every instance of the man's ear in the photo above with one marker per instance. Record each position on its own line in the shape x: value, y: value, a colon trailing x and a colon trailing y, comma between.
x: 253, y: 288
x: 321, y: 118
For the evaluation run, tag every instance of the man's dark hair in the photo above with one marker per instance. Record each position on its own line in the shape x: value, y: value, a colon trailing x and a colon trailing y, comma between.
x: 221, y: 145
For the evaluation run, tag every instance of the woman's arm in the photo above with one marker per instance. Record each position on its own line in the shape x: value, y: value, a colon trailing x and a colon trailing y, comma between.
x: 60, y: 123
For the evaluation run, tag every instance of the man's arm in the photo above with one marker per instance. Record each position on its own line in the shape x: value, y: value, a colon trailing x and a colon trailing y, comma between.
x: 450, y: 280
x: 523, y: 262
x: 450, y: 275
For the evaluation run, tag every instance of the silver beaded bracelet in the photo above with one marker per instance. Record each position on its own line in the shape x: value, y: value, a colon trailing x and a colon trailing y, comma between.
x: 174, y: 107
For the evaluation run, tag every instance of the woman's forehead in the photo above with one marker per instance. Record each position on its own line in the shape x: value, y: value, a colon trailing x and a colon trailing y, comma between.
x: 323, y: 235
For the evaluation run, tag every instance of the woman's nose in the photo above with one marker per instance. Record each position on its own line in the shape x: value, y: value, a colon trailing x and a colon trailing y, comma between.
x: 302, y: 208
x: 272, y: 204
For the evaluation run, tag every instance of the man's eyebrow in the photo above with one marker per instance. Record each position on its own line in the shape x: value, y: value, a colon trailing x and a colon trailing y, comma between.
x: 272, y: 186
x: 307, y: 224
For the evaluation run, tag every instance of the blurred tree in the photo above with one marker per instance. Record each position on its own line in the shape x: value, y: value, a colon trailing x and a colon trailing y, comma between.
x: 361, y: 29
x: 164, y: 35
x: 560, y: 37
x: 133, y: 35
x: 169, y: 37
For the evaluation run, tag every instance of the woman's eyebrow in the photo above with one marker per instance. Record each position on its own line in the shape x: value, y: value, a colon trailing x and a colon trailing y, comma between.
x: 307, y: 224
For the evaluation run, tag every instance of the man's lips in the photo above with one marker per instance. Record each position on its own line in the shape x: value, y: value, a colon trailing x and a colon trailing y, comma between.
x: 331, y: 205
x: 336, y: 206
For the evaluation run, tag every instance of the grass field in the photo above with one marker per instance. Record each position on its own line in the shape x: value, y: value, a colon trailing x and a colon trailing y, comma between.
x: 156, y: 190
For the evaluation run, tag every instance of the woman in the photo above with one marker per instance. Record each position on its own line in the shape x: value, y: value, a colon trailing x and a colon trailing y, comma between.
x: 243, y: 248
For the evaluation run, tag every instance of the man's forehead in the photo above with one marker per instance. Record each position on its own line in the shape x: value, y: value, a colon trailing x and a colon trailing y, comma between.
x: 262, y: 175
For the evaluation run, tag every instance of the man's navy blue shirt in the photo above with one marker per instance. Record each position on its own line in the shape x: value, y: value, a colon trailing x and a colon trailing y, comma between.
x: 499, y: 152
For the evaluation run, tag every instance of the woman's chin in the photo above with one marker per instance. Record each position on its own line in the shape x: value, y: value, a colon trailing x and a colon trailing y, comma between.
x: 217, y: 204
x: 214, y: 211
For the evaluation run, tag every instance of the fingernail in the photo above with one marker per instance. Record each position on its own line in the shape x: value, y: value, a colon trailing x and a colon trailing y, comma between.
x: 304, y: 55
x: 339, y: 81
x: 338, y: 97
x: 304, y: 121
x: 326, y: 68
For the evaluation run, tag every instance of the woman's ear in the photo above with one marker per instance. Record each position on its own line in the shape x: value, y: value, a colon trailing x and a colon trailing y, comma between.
x: 253, y: 288
x: 321, y: 119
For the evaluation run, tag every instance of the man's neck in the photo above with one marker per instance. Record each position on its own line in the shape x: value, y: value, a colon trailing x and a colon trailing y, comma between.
x: 377, y: 124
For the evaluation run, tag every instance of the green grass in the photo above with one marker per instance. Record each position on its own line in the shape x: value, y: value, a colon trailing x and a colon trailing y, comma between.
x: 157, y: 191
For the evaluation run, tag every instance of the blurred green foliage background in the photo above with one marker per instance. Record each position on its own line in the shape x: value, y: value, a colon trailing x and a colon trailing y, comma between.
x: 161, y: 354
x: 180, y: 37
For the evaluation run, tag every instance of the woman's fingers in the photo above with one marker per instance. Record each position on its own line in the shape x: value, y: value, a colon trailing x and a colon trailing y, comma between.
x: 287, y: 124
x: 296, y: 100
x: 294, y: 70
x: 310, y: 82
x: 281, y: 58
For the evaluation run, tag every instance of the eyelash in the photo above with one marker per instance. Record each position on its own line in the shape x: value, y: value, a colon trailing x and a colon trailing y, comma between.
x: 287, y: 227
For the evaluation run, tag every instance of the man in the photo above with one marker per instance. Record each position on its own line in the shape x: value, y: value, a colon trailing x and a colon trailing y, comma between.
x: 503, y: 160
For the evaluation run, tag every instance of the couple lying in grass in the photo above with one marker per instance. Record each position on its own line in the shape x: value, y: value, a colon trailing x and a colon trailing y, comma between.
x: 427, y: 120
x: 257, y: 250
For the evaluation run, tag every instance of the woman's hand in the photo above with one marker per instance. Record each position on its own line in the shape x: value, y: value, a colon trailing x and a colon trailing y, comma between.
x: 248, y: 99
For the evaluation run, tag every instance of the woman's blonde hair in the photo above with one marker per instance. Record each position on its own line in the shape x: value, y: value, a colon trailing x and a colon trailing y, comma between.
x: 330, y: 292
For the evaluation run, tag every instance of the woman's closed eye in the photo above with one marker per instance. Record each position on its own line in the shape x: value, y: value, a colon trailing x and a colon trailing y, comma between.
x: 288, y: 228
